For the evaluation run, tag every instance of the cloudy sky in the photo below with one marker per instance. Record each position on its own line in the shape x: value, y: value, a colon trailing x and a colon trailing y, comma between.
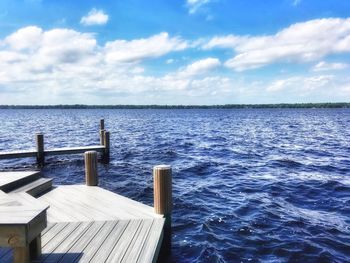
x: 174, y: 52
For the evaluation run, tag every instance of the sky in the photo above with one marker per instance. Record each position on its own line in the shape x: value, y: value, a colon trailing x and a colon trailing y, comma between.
x: 174, y: 52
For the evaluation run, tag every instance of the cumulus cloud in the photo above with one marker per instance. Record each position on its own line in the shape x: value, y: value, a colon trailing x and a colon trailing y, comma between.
x: 94, y: 17
x: 135, y: 50
x: 301, y: 42
x: 301, y: 83
x: 201, y: 66
x: 324, y: 66
x: 67, y: 64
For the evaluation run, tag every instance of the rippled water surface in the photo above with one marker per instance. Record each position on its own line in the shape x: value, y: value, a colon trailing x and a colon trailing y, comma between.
x: 249, y: 185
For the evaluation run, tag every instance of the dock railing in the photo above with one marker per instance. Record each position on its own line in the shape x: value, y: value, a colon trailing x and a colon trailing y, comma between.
x: 40, y: 152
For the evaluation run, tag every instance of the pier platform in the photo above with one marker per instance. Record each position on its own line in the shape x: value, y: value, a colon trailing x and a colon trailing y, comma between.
x: 85, y: 223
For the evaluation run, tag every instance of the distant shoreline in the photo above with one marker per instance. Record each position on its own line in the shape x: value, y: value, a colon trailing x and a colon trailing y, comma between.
x: 226, y: 106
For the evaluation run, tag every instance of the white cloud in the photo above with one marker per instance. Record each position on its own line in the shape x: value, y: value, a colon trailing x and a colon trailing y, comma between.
x: 201, y: 66
x: 324, y: 66
x: 67, y: 66
x: 25, y: 38
x: 194, y: 5
x: 301, y: 42
x: 304, y: 84
x: 94, y: 17
x: 121, y: 51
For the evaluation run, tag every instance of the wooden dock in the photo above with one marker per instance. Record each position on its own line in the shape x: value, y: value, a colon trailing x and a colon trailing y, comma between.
x: 40, y: 222
x: 84, y: 223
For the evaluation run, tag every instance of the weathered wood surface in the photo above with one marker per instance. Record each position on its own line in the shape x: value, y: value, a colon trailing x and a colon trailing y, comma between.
x: 86, y: 224
x: 12, y: 180
x: 77, y: 203
x: 103, y: 241
x: 22, y: 218
x: 51, y: 152
x: 91, y: 174
x: 74, y: 150
x: 36, y: 187
x: 18, y: 154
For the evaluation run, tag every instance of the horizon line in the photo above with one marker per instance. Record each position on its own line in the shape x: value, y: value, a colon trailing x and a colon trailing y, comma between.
x: 180, y: 106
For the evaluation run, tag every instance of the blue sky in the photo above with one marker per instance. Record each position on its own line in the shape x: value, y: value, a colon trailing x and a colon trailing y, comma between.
x: 174, y: 52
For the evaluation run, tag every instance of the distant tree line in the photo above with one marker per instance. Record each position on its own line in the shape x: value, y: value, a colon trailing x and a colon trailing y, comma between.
x: 226, y: 106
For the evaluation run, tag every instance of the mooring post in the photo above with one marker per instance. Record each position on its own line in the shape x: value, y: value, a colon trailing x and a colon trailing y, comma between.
x: 102, y: 130
x: 40, y: 156
x: 106, y: 144
x: 91, y: 168
x: 102, y: 137
x: 163, y: 201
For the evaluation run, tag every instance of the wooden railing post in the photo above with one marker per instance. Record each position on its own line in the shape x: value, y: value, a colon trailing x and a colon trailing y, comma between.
x: 106, y: 144
x: 102, y: 124
x: 163, y: 201
x: 91, y: 168
x: 102, y: 130
x: 102, y: 137
x: 40, y: 156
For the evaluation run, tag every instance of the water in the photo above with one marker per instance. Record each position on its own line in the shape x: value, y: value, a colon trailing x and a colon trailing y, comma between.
x: 249, y: 185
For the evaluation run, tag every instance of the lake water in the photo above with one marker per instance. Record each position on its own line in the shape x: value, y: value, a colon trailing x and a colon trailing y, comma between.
x: 250, y: 185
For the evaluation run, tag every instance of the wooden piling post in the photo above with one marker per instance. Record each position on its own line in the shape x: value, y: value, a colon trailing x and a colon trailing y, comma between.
x: 106, y: 144
x: 102, y: 137
x: 163, y: 202
x: 102, y: 131
x: 40, y: 156
x: 91, y: 168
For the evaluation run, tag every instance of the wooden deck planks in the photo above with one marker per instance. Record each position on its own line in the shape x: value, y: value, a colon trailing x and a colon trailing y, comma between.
x: 131, y: 247
x: 90, y: 224
x: 105, y: 233
x: 71, y: 203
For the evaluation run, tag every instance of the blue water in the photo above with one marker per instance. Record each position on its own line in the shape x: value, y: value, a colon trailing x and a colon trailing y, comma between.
x: 249, y: 185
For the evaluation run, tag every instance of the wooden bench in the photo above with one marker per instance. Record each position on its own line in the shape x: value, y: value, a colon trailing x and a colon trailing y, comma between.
x: 22, y: 219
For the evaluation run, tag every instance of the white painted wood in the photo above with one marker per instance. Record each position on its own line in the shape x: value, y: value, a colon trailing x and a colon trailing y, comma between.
x: 72, y: 203
x: 74, y: 150
x: 11, y: 180
x: 50, y: 152
x: 36, y: 187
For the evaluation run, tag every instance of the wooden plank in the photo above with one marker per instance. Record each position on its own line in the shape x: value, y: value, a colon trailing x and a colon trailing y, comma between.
x: 128, y: 227
x: 131, y: 251
x: 152, y: 245
x: 83, y: 203
x: 17, y: 154
x: 36, y: 187
x: 50, y: 152
x: 12, y: 180
x: 52, y: 233
x: 76, y: 251
x: 74, y: 150
x: 106, y: 231
x: 48, y: 247
x: 61, y: 246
